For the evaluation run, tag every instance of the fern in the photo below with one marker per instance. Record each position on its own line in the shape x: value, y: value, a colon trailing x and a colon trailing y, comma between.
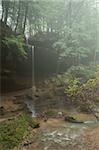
x: 17, y: 45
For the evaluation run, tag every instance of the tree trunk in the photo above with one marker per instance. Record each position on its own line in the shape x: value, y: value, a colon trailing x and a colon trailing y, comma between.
x: 13, y: 20
x: 6, y: 5
x: 96, y: 34
x: 26, y: 12
x: 43, y: 26
x: 18, y: 16
x: 2, y: 10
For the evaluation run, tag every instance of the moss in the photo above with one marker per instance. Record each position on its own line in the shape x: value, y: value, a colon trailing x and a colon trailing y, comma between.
x: 34, y: 123
x: 12, y: 132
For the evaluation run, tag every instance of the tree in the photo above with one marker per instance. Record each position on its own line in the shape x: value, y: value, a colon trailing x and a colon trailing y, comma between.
x: 25, y: 17
x: 76, y: 40
x: 18, y: 16
x: 84, y: 94
x: 5, y: 10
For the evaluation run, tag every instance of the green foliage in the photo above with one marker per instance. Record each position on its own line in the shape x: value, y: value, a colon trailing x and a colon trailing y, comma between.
x: 12, y: 132
x: 83, y: 93
x: 75, y: 38
x: 81, y: 71
x: 75, y: 88
x: 59, y: 45
x: 74, y: 30
x: 76, y: 35
x: 17, y: 46
x: 72, y: 87
x: 90, y: 84
x: 61, y: 79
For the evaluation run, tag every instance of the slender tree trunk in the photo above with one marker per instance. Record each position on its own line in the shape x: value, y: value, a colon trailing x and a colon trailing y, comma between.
x: 43, y: 26
x: 51, y: 28
x: 18, y: 16
x: 2, y: 10
x: 6, y: 16
x: 69, y: 16
x: 6, y: 5
x: 26, y: 12
x: 13, y: 20
x: 47, y: 28
x: 96, y: 33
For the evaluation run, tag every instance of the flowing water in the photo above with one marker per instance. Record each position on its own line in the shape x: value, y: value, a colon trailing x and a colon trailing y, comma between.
x: 33, y: 69
x: 30, y: 106
x: 57, y: 134
x: 33, y: 64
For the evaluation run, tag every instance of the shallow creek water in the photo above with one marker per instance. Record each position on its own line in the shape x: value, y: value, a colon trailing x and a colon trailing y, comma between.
x: 56, y: 134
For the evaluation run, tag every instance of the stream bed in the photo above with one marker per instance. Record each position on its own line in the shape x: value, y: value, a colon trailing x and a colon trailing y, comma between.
x: 56, y: 134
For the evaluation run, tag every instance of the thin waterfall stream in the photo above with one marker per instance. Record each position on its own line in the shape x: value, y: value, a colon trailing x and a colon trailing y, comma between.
x: 30, y: 101
x: 33, y: 69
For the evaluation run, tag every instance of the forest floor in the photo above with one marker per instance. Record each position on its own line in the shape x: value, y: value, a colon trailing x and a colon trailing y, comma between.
x: 55, y: 134
x: 91, y: 137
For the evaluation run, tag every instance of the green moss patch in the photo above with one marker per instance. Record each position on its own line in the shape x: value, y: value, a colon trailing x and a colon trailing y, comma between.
x: 12, y: 132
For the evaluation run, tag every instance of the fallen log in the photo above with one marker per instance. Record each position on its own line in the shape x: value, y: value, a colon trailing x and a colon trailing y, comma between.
x: 72, y: 119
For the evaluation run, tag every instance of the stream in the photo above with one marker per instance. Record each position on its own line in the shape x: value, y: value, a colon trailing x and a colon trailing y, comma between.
x: 56, y: 134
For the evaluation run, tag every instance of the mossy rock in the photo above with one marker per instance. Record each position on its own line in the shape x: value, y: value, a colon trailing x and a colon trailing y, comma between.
x: 34, y: 123
x: 72, y: 119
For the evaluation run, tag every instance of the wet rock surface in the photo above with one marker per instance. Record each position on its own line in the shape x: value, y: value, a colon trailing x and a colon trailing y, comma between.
x: 61, y: 137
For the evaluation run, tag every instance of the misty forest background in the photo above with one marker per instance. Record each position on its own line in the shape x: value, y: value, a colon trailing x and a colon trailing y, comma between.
x: 64, y: 34
x: 49, y: 74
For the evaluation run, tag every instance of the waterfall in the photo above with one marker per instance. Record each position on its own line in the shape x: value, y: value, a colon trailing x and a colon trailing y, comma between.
x: 33, y: 63
x: 30, y: 105
x: 33, y: 70
x: 30, y: 101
